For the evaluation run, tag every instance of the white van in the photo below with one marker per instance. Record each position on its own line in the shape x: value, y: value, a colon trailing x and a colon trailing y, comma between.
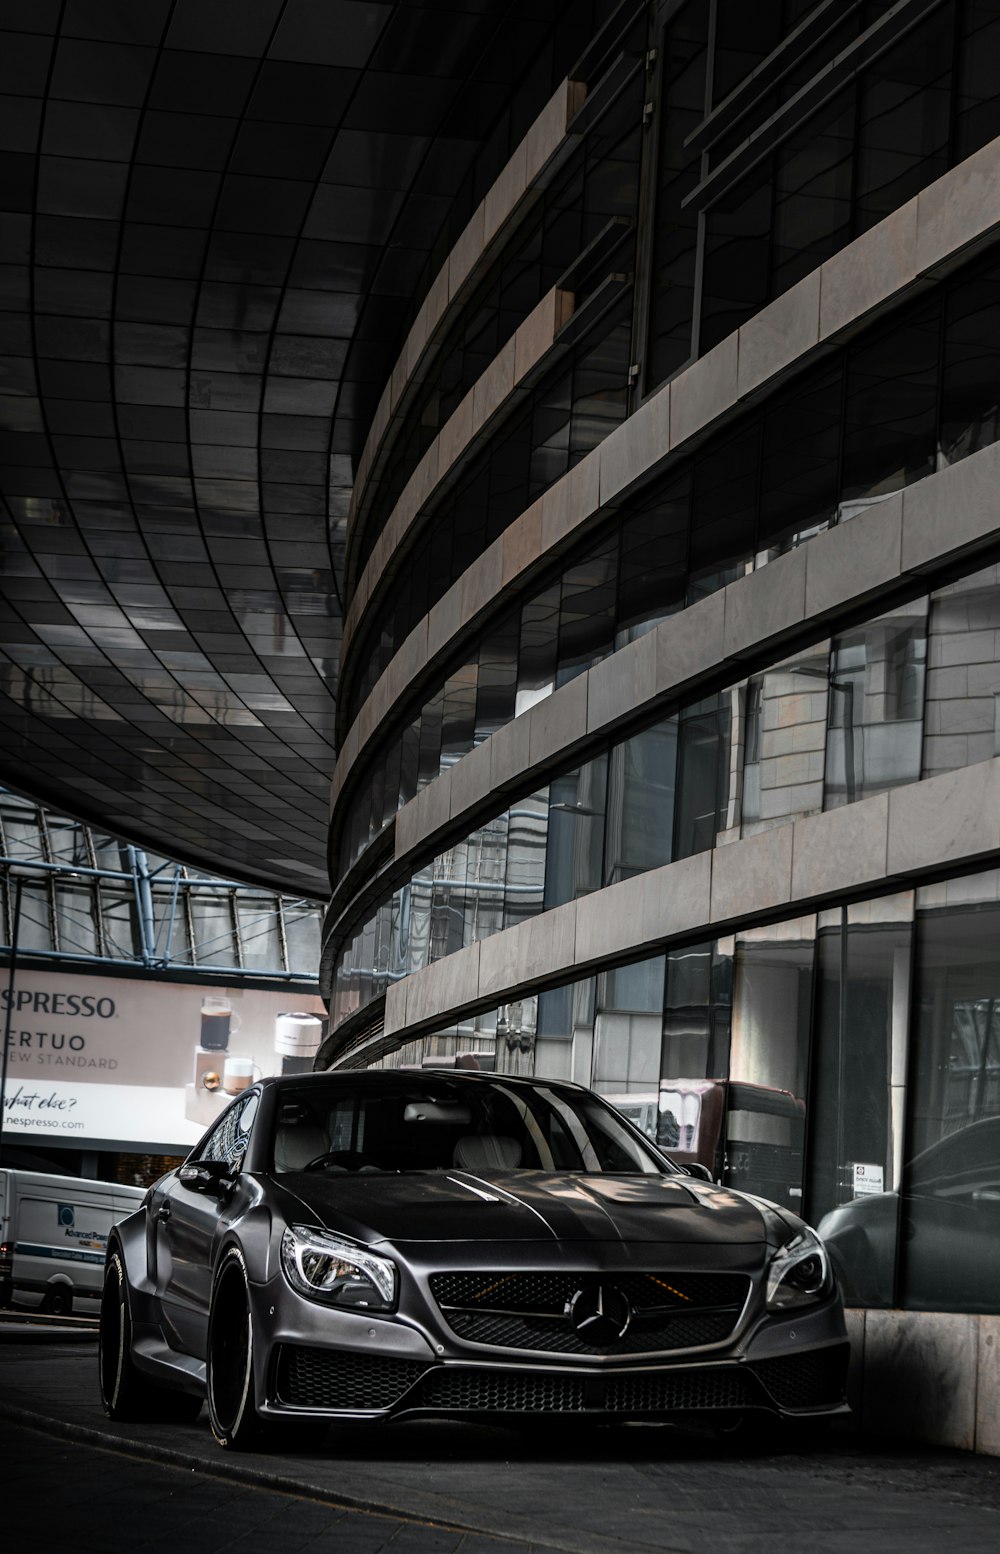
x: 53, y: 1237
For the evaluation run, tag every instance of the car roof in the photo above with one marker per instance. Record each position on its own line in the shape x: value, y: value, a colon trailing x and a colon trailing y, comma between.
x: 395, y: 1076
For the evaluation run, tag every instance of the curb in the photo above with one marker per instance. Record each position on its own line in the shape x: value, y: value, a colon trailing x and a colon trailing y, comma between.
x: 10, y: 1334
x: 229, y: 1471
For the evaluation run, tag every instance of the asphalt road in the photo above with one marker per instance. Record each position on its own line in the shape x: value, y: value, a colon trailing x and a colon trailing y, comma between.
x: 440, y: 1488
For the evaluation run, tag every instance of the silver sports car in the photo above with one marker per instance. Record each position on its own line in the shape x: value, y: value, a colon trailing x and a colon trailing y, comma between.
x: 380, y: 1245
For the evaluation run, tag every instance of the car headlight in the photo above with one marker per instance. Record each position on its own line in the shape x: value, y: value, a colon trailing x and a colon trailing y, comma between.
x: 337, y: 1272
x: 799, y: 1273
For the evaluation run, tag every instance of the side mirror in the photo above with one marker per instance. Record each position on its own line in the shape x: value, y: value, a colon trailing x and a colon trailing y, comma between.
x: 695, y: 1168
x: 211, y: 1177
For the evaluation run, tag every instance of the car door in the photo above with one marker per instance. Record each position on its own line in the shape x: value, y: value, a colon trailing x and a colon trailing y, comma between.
x: 188, y: 1226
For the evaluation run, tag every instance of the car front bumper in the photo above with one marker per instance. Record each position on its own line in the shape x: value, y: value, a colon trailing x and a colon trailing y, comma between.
x: 316, y: 1362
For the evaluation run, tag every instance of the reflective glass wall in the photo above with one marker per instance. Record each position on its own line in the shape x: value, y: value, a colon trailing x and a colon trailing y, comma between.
x: 845, y: 1064
x: 908, y: 694
x: 735, y: 225
x: 914, y: 394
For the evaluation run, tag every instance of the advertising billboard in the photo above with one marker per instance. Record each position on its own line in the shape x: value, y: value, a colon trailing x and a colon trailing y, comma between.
x: 126, y: 1061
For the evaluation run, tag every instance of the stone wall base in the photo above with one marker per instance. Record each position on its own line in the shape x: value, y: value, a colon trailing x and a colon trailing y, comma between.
x: 927, y: 1375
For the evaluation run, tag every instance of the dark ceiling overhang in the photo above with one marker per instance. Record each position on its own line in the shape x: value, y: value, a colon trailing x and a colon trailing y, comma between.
x: 215, y: 216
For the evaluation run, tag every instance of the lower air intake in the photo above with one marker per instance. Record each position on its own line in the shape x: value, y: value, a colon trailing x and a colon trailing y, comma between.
x: 815, y: 1380
x: 500, y: 1392
x: 328, y: 1378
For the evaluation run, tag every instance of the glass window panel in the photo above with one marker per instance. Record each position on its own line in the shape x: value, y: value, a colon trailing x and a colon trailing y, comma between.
x: 35, y: 929
x: 676, y: 225
x: 962, y: 723
x: 977, y: 98
x: 640, y: 825
x: 876, y: 705
x: 575, y: 840
x: 409, y: 760
x: 950, y: 1255
x: 702, y: 776
x: 785, y: 740
x: 564, y: 1036
x: 537, y: 653
x: 766, y: 1105
x: 724, y: 515
x: 496, y: 687
x: 302, y: 937
x: 652, y: 569
x: 212, y: 926
x: 486, y: 866
x: 812, y: 192
x: 429, y: 762
x: 260, y: 932
x: 527, y: 831
x: 737, y: 248
x: 458, y: 714
x: 627, y: 1028
x: 890, y: 409
x: 448, y: 902
x: 970, y: 402
x: 76, y: 920
x: 586, y: 613
x: 800, y: 463
x: 904, y: 119
x: 118, y: 922
x: 858, y: 1079
x: 694, y: 1054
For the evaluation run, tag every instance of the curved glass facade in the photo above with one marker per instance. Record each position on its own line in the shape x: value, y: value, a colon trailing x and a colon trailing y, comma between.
x: 887, y: 702
x: 911, y: 395
x: 580, y: 233
x: 845, y: 1064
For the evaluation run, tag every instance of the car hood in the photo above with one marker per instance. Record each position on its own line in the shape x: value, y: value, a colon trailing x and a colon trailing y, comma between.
x: 527, y: 1206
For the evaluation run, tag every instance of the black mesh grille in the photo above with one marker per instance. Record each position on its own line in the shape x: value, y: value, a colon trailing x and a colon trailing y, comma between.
x: 530, y: 1310
x: 554, y: 1335
x: 809, y: 1380
x: 500, y: 1391
x: 328, y: 1378
x: 549, y: 1292
x: 654, y: 1392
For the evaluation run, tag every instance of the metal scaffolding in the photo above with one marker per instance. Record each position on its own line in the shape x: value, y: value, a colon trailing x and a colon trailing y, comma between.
x: 90, y: 897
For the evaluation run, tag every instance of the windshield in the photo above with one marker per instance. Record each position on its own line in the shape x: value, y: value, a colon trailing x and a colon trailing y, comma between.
x: 439, y: 1123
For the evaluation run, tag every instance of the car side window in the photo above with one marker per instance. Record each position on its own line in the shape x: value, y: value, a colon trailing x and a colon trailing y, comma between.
x: 230, y: 1139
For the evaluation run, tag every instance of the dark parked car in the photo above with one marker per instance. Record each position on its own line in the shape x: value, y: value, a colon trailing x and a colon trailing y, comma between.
x: 944, y: 1228
x: 378, y: 1245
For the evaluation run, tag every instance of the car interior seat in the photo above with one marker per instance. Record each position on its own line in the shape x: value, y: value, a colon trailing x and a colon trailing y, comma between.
x: 487, y: 1152
x: 298, y: 1141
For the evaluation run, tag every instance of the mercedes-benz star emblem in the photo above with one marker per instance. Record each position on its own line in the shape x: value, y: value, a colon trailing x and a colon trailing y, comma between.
x: 600, y: 1314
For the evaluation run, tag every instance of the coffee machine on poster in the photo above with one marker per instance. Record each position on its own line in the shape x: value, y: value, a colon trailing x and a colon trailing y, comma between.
x: 218, y: 1073
x: 225, y: 1055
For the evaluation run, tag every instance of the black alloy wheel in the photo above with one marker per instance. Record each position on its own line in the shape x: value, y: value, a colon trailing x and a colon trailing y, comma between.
x: 236, y: 1424
x: 126, y: 1394
x: 231, y: 1406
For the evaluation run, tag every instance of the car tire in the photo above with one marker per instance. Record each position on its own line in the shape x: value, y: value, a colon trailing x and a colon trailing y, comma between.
x: 235, y: 1422
x: 126, y: 1394
x: 229, y: 1371
x: 57, y: 1301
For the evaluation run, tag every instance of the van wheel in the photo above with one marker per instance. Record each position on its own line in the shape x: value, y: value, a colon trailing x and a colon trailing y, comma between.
x: 126, y: 1394
x: 57, y: 1301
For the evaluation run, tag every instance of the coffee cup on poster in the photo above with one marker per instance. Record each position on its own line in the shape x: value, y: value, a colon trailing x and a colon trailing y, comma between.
x: 238, y: 1075
x: 218, y: 1023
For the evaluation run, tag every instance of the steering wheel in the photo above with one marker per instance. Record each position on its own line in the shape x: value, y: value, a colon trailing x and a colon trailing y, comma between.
x: 347, y: 1159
